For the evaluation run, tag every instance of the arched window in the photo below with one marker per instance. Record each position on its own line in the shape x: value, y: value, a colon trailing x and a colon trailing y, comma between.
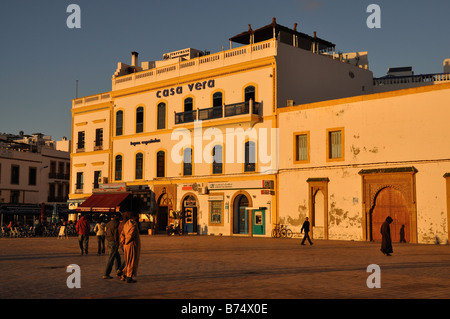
x: 118, y: 168
x: 139, y: 119
x: 249, y: 93
x: 139, y: 169
x: 161, y: 164
x: 217, y: 160
x: 188, y: 104
x: 250, y: 157
x: 161, y: 121
x: 119, y: 123
x: 187, y: 161
x: 217, y: 99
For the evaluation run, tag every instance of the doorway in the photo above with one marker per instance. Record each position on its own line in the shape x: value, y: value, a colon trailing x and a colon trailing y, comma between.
x: 390, y: 202
x: 240, y: 215
x: 189, y: 213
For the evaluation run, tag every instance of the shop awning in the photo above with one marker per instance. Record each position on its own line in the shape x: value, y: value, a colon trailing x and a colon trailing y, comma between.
x: 103, y: 203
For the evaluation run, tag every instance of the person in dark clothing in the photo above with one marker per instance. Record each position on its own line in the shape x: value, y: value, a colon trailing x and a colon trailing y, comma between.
x: 305, y: 228
x: 83, y: 228
x: 386, y: 241
x: 112, y: 238
x: 402, y: 234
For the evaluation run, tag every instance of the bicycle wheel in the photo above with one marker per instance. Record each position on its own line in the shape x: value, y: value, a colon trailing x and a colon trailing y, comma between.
x: 283, y: 233
x: 289, y: 233
x: 275, y: 233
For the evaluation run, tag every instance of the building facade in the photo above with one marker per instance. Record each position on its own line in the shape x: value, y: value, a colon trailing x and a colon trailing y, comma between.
x: 34, y: 171
x: 368, y: 157
x: 208, y: 137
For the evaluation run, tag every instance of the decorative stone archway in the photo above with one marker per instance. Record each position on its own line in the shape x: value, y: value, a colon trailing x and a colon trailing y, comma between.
x: 401, y: 180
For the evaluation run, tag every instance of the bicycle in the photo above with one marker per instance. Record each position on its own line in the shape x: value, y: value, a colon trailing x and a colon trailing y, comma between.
x: 281, y: 231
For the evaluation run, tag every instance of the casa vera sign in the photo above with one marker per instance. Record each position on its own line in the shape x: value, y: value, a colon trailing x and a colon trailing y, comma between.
x: 197, y: 86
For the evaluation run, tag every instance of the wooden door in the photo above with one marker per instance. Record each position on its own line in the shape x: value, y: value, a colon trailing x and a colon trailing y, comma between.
x: 390, y: 202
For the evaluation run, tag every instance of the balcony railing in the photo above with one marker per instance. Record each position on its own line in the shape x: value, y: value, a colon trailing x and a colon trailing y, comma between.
x: 218, y: 112
x: 210, y: 113
x: 185, y: 117
x: 422, y: 78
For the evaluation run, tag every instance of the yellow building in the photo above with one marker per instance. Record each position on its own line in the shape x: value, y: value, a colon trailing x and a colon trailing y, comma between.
x: 196, y: 133
x: 349, y: 163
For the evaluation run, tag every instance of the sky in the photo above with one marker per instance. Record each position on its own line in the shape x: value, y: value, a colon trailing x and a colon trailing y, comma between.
x: 41, y: 58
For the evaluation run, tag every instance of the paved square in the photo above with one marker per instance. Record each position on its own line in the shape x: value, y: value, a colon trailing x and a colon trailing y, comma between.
x: 211, y: 267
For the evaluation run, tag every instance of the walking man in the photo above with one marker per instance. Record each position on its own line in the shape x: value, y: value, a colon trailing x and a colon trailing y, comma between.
x: 83, y: 228
x: 386, y: 241
x: 305, y: 227
x: 112, y: 238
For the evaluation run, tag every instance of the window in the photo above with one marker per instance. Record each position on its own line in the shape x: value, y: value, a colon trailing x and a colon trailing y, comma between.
x: 161, y: 124
x: 250, y: 157
x: 98, y: 139
x: 301, y: 151
x: 249, y: 93
x: 97, y: 177
x: 188, y: 104
x: 80, y: 145
x: 15, y: 195
x: 79, y: 184
x: 187, y: 161
x: 217, y: 160
x: 216, y: 211
x: 140, y: 119
x: 119, y: 123
x: 160, y: 164
x: 139, y: 169
x: 32, y: 176
x: 15, y: 170
x: 335, y: 145
x: 217, y: 99
x: 118, y: 170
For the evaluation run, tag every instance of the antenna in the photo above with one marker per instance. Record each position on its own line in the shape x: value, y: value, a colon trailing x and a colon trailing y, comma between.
x: 76, y: 92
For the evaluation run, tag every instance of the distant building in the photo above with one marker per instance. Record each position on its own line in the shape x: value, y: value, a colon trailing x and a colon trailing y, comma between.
x: 33, y: 171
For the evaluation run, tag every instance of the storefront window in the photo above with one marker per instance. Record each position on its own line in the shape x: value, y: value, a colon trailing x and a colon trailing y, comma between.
x: 216, y: 212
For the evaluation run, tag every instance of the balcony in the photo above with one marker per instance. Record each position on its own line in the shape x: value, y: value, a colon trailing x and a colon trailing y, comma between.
x: 54, y: 175
x: 242, y: 108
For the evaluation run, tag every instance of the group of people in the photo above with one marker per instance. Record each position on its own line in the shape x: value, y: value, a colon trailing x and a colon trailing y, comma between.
x: 120, y: 234
x: 386, y: 241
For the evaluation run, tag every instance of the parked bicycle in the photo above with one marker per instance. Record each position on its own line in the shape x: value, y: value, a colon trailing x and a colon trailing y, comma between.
x: 281, y: 231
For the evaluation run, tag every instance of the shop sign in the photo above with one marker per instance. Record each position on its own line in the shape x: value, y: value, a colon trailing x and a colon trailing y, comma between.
x: 113, y: 187
x: 179, y: 89
x: 153, y: 140
x: 215, y: 198
x: 257, y: 184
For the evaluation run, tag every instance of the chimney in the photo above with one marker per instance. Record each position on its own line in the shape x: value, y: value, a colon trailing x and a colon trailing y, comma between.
x: 134, y: 58
x: 295, y: 26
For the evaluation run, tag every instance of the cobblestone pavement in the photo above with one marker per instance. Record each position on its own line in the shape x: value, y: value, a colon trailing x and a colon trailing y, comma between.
x: 211, y: 267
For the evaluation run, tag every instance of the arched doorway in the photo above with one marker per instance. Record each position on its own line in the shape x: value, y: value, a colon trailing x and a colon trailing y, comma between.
x: 241, y: 217
x: 189, y: 214
x: 318, y: 215
x: 390, y: 202
x: 164, y: 206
